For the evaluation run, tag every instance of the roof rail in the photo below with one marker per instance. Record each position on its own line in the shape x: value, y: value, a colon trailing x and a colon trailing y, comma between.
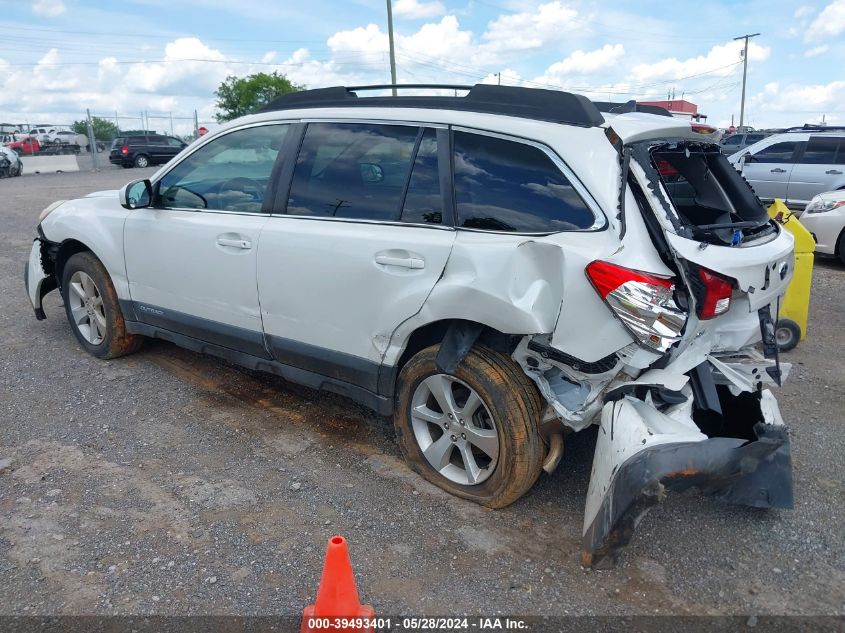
x: 529, y: 103
x: 613, y: 107
x: 809, y: 127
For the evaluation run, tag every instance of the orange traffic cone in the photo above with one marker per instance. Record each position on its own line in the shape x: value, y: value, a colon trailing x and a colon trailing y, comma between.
x: 337, y: 596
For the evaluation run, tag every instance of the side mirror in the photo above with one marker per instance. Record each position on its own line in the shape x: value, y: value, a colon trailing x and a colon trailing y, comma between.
x: 138, y: 194
x: 371, y: 173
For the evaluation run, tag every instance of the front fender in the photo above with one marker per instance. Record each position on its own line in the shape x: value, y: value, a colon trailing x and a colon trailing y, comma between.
x: 97, y: 223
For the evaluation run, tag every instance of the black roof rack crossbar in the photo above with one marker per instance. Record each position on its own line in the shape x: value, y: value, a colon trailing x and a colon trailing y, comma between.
x: 809, y: 127
x: 529, y: 103
x: 408, y: 87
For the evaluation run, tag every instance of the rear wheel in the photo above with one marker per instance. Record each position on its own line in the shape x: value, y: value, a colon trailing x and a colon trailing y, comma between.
x: 142, y: 160
x: 92, y: 308
x: 474, y: 433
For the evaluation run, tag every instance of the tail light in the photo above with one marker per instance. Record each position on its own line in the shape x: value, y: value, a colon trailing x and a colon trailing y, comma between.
x: 701, y: 128
x: 665, y: 169
x: 716, y: 296
x: 643, y: 302
x: 124, y: 150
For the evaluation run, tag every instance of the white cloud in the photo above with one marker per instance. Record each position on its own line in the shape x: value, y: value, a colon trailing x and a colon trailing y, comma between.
x: 48, y: 8
x: 829, y: 23
x: 367, y: 39
x: 582, y: 63
x: 803, y: 11
x: 799, y: 103
x: 816, y: 50
x: 414, y: 9
x: 720, y: 61
x: 532, y: 29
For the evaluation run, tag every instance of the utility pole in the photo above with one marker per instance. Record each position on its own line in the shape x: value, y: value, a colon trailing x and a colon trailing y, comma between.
x: 392, y: 50
x: 744, y: 74
x: 92, y: 142
x: 499, y: 77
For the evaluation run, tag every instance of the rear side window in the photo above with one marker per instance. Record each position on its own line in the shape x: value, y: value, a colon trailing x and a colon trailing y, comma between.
x: 352, y: 170
x: 820, y: 150
x: 503, y: 185
x: 423, y: 202
x: 733, y: 140
x: 777, y: 153
x: 750, y: 139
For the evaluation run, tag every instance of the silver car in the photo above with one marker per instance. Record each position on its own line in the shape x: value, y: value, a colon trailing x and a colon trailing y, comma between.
x: 794, y: 166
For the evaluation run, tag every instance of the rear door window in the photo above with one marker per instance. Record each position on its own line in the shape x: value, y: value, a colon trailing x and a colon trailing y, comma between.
x: 732, y: 141
x: 820, y: 150
x: 424, y: 202
x: 750, y: 139
x: 505, y: 185
x: 352, y: 170
x: 778, y: 153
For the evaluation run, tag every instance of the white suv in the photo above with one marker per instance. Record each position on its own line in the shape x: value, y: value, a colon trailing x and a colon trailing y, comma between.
x: 491, y: 270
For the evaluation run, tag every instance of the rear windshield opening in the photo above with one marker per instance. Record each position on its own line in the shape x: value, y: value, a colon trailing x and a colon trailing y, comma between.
x: 711, y: 197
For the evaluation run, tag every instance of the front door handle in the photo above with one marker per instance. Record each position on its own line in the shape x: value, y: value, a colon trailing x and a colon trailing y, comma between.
x: 404, y: 262
x: 234, y: 243
x: 834, y: 172
x: 778, y: 170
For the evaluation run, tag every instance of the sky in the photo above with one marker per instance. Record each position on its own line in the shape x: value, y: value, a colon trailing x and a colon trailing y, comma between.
x: 166, y: 57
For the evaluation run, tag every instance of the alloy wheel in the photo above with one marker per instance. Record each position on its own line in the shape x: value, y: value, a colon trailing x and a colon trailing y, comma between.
x: 454, y: 430
x: 86, y: 306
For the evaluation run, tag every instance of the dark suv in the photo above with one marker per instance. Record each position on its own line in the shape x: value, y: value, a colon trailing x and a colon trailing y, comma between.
x: 143, y: 151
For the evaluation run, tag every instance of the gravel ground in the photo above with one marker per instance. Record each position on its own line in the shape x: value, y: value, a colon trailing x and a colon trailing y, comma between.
x: 171, y: 483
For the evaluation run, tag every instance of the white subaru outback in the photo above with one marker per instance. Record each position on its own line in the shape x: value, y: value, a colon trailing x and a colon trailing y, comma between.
x: 492, y: 270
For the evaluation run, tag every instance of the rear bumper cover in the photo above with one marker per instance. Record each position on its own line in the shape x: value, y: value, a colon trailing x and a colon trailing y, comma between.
x: 756, y: 473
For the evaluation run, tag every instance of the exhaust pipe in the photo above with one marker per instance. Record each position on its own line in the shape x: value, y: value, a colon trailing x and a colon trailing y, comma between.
x: 555, y: 453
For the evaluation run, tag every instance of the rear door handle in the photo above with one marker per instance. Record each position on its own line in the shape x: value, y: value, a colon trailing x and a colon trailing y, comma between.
x: 403, y: 262
x: 834, y: 171
x: 778, y: 170
x: 234, y: 243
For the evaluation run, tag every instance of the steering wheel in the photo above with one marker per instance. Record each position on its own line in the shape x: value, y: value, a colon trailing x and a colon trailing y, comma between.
x: 244, y: 185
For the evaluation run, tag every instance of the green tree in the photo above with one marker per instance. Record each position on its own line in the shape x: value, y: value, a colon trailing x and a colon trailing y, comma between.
x: 104, y: 130
x: 238, y: 96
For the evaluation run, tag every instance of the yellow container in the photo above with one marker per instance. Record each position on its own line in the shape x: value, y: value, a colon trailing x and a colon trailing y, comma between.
x: 795, y: 305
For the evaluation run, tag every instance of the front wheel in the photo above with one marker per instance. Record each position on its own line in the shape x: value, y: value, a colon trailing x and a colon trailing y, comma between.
x: 92, y: 308
x: 476, y: 433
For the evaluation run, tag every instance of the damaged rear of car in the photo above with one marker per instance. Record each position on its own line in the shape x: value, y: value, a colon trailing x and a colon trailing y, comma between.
x: 689, y: 405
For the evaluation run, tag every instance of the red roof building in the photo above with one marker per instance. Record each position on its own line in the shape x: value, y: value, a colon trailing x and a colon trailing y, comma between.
x: 678, y: 107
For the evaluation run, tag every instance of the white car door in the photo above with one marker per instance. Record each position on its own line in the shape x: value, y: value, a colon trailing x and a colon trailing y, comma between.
x: 366, y: 236
x: 767, y: 170
x: 191, y: 257
x: 820, y: 168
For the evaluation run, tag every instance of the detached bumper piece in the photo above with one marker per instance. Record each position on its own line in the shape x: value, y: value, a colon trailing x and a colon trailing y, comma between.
x: 755, y: 473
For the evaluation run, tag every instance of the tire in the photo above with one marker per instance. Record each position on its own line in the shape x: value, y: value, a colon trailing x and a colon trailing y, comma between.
x: 102, y: 310
x: 508, y: 397
x: 787, y: 334
x: 142, y: 160
x: 840, y: 248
